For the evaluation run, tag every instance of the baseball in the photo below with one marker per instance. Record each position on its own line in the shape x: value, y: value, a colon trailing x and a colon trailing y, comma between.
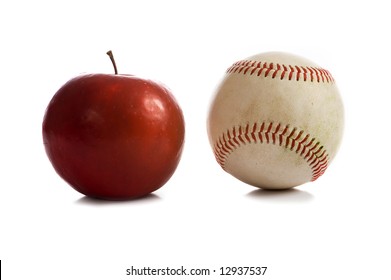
x: 276, y: 120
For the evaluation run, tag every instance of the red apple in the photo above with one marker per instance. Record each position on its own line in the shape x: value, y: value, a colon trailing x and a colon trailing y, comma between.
x: 113, y: 136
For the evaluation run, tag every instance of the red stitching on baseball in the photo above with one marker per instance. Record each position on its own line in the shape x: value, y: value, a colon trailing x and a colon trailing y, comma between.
x: 292, y: 72
x: 270, y: 133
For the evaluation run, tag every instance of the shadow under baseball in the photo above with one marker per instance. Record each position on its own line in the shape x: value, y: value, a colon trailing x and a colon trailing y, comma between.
x: 290, y: 195
x: 85, y: 200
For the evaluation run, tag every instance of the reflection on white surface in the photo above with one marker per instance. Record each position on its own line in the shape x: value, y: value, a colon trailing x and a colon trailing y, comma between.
x: 89, y: 201
x: 283, y: 196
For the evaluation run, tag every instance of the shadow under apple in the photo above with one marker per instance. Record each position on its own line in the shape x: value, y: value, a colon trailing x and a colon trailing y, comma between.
x: 85, y: 200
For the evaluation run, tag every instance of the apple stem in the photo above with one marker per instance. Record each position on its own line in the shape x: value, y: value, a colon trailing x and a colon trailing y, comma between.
x: 110, y: 54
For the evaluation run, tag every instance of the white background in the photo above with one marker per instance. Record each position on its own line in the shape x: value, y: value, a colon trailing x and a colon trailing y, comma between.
x: 334, y: 228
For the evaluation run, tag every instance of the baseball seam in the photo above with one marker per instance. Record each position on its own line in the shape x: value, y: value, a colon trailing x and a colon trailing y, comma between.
x: 282, y: 71
x: 276, y: 134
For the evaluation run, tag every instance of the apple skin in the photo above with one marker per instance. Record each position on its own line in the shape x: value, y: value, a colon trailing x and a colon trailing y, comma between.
x: 114, y: 137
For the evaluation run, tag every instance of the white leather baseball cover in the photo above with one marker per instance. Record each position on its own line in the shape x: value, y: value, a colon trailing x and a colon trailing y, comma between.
x: 276, y: 120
